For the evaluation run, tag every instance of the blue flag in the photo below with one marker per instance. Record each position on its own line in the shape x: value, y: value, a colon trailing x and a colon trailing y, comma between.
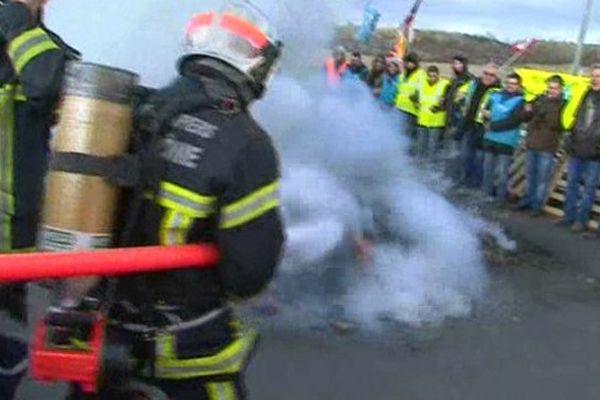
x: 370, y: 20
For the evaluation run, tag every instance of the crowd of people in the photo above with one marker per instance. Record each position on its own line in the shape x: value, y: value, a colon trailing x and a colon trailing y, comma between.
x: 487, y: 120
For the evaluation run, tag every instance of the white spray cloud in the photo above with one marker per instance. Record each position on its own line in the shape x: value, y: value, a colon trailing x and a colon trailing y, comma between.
x: 339, y: 145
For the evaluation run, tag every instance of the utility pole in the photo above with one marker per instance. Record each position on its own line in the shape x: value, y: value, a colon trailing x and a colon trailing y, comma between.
x: 587, y: 16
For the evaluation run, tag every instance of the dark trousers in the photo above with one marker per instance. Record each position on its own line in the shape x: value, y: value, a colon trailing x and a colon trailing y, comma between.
x: 13, y: 355
x: 190, y: 389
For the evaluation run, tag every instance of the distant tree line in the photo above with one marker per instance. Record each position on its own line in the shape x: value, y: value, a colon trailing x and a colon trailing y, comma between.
x: 436, y: 46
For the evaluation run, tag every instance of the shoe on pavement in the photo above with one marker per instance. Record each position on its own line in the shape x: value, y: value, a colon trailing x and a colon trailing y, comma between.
x: 592, y: 235
x: 578, y: 227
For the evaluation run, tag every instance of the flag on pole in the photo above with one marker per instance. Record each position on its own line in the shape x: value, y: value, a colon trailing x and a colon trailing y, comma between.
x: 523, y: 46
x: 405, y: 33
x: 369, y: 25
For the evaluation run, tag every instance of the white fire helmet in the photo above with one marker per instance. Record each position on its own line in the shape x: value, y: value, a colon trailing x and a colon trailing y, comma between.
x: 239, y: 35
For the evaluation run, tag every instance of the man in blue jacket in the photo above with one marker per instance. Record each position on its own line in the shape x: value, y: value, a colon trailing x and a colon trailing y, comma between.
x: 503, y: 134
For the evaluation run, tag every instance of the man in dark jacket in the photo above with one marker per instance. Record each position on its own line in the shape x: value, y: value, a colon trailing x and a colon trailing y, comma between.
x: 544, y: 131
x: 584, y: 163
x: 220, y: 184
x: 32, y: 63
x: 476, y: 97
x: 455, y: 95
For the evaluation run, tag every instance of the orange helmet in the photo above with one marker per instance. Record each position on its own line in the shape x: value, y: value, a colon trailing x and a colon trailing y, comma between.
x: 239, y: 35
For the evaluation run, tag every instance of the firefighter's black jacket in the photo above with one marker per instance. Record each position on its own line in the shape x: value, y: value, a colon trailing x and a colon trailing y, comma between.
x: 219, y: 185
x: 32, y: 61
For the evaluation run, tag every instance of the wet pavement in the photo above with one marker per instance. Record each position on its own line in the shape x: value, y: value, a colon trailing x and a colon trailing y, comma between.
x: 535, y: 336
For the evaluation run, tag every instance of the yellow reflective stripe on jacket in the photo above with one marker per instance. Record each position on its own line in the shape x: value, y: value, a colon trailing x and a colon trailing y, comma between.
x: 28, y: 46
x: 19, y: 94
x: 250, y: 207
x: 232, y: 359
x: 221, y: 391
x: 7, y: 201
x: 174, y: 228
x: 185, y: 201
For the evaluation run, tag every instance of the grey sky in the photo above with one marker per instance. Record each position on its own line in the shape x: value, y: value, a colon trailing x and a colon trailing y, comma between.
x: 506, y: 19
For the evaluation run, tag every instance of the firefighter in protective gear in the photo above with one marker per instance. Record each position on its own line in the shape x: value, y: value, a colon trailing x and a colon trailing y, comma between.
x: 219, y: 183
x: 407, y: 99
x: 432, y: 118
x: 32, y: 63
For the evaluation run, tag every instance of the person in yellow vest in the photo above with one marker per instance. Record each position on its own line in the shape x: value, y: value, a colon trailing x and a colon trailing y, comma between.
x: 407, y: 98
x: 431, y: 118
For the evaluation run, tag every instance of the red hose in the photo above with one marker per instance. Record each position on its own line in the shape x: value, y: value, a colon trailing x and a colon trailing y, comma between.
x: 110, y: 262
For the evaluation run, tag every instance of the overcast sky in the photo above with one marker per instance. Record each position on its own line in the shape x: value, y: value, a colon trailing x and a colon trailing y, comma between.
x: 146, y: 35
x: 506, y: 19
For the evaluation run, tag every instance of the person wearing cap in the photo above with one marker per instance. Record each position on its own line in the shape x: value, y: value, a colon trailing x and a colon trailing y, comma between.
x: 219, y: 184
x: 432, y: 118
x: 32, y: 61
x: 478, y: 93
x: 391, y: 80
x: 407, y: 97
x: 336, y: 65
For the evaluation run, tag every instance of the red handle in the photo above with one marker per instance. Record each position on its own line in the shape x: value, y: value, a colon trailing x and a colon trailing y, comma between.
x: 110, y: 262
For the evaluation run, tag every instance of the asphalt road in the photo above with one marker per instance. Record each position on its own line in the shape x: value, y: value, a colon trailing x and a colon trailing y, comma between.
x: 535, y: 337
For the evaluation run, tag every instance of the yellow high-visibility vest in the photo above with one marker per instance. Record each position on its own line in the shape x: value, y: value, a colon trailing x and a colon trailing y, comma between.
x: 430, y: 96
x: 483, y: 104
x: 407, y: 87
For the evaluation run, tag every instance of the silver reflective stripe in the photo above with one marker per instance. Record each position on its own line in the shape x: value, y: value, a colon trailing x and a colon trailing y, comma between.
x: 200, y: 209
x: 238, y: 359
x: 18, y: 369
x: 28, y: 45
x: 220, y: 391
x: 249, y: 209
x: 193, y: 323
x: 172, y: 229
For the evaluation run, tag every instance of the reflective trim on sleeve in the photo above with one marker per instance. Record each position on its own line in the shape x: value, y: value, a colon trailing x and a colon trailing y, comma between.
x: 250, y: 207
x: 221, y: 391
x: 185, y: 201
x: 28, y: 46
